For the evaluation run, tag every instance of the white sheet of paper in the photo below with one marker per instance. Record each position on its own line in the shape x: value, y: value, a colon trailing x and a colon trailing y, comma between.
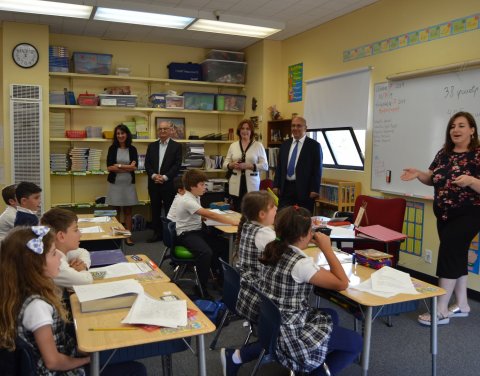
x: 91, y: 230
x: 149, y: 311
x: 86, y: 293
x: 122, y: 269
x: 95, y: 219
x: 388, y: 279
x: 366, y: 286
x: 343, y: 257
x: 340, y: 232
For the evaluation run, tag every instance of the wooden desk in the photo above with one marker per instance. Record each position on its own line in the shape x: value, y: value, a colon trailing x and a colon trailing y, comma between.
x: 366, y: 303
x: 156, y: 275
x: 230, y: 232
x: 106, y: 227
x: 96, y: 341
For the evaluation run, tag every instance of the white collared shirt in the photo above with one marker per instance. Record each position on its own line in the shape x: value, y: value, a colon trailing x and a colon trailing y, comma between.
x: 305, y: 268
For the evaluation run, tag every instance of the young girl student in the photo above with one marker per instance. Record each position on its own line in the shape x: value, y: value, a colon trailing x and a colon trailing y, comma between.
x: 308, y: 338
x: 255, y: 231
x: 30, y: 306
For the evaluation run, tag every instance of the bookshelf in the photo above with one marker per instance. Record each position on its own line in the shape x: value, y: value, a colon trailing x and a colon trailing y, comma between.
x: 337, y: 195
x: 278, y: 131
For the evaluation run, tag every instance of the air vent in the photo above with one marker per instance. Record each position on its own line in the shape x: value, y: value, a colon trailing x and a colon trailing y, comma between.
x: 26, y: 134
x: 25, y: 92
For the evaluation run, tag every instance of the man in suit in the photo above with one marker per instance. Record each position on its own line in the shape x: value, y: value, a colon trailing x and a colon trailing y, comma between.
x: 162, y: 163
x: 299, y: 168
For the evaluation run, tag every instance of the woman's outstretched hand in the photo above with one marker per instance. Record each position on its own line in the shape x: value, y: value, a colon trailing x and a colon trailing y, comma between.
x: 409, y: 174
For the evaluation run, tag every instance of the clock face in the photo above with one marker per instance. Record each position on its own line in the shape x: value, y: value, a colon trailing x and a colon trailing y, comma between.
x: 25, y: 55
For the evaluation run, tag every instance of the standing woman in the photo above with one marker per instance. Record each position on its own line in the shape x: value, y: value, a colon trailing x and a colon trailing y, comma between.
x: 455, y: 176
x: 245, y: 159
x: 122, y: 161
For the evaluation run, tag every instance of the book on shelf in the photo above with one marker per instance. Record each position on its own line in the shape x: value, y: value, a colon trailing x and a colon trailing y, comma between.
x: 378, y: 232
x: 109, y: 295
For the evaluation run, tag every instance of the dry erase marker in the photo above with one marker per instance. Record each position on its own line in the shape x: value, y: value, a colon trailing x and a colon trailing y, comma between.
x: 388, y: 176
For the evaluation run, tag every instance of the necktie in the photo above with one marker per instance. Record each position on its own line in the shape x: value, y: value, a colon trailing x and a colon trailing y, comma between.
x: 293, y: 158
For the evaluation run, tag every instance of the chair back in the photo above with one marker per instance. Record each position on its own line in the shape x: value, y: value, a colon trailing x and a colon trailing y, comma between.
x: 167, y: 238
x: 388, y: 212
x: 269, y: 322
x: 171, y: 236
x: 231, y: 286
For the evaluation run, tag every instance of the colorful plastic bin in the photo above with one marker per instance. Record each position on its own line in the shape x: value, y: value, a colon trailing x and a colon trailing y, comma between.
x: 199, y: 101
x: 230, y: 102
x: 91, y: 63
x: 224, y: 71
x: 185, y: 71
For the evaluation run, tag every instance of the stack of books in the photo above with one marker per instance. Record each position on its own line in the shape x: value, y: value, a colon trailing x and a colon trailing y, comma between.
x: 79, y: 157
x: 59, y: 162
x: 93, y: 162
x: 372, y: 258
x: 57, y: 124
x: 195, y: 155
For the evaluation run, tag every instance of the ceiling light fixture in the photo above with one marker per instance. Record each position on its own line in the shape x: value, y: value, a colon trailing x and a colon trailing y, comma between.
x: 221, y: 27
x: 50, y: 8
x: 142, y: 18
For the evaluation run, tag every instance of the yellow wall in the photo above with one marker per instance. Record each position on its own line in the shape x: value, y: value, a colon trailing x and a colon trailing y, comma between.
x: 12, y: 34
x: 321, y: 51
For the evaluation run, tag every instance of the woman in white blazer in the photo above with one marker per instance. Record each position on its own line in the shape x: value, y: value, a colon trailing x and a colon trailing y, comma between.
x: 245, y: 159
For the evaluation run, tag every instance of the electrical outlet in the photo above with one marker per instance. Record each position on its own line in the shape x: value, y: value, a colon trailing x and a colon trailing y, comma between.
x: 428, y: 256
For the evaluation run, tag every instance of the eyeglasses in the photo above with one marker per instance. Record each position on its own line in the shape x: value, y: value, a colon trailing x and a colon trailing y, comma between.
x: 297, y: 125
x: 163, y: 129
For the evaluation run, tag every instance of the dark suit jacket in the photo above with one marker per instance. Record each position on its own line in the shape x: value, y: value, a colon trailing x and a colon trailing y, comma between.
x: 308, y: 170
x: 172, y: 161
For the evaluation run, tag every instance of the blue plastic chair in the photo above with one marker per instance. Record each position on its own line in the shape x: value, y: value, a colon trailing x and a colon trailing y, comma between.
x: 268, y: 330
x: 231, y: 288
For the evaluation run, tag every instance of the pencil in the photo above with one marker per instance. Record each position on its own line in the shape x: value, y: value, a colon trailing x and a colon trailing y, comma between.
x: 108, y: 329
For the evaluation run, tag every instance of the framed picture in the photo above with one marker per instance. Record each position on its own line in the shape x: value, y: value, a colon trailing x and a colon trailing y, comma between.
x: 178, y: 126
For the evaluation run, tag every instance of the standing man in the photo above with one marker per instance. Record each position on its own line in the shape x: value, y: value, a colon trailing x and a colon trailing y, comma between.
x: 299, y: 168
x: 162, y: 163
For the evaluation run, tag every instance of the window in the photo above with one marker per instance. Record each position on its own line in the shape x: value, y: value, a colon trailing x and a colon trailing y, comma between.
x: 342, y: 148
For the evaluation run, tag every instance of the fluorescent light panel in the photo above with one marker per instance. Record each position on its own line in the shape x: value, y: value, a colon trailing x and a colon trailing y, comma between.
x: 142, y: 18
x: 50, y: 8
x: 213, y: 26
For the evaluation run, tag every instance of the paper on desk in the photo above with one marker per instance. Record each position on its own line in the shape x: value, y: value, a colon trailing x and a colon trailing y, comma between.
x: 122, y: 269
x: 149, y: 311
x: 86, y: 293
x: 343, y: 257
x: 95, y: 219
x: 342, y: 232
x: 91, y: 230
x: 387, y: 282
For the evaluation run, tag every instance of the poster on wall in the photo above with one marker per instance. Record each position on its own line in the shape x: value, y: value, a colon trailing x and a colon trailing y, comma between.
x: 295, y: 83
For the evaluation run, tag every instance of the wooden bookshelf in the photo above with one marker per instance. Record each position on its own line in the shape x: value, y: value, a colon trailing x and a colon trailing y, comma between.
x: 337, y: 195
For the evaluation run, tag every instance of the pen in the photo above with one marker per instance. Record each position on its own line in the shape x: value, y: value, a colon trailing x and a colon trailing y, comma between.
x: 110, y: 329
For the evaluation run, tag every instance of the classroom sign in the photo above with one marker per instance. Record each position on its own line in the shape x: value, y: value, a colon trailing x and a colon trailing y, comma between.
x: 295, y: 83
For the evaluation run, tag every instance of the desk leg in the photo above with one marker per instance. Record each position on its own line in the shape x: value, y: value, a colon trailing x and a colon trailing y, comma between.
x: 202, y: 365
x: 433, y: 335
x: 367, y: 335
x: 95, y: 364
x: 231, y: 239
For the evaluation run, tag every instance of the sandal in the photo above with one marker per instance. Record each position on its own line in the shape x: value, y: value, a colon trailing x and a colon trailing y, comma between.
x: 426, y: 319
x: 455, y: 311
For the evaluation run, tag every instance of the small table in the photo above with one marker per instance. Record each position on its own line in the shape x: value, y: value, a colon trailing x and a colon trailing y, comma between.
x: 106, y: 229
x: 357, y: 274
x: 96, y: 341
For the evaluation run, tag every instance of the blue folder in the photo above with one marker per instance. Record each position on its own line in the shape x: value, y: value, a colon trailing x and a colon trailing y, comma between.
x: 108, y: 257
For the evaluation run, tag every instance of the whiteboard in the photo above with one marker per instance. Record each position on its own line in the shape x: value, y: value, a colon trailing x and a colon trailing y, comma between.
x: 409, y: 123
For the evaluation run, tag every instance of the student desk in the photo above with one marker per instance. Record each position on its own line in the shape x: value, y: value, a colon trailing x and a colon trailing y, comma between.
x: 366, y: 302
x: 96, y: 341
x: 229, y: 232
x: 106, y: 227
x: 156, y: 275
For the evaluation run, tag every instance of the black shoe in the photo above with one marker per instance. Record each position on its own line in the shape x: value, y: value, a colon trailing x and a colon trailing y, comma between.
x: 154, y: 239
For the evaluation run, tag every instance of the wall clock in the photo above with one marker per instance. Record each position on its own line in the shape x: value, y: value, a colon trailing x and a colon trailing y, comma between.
x: 25, y: 55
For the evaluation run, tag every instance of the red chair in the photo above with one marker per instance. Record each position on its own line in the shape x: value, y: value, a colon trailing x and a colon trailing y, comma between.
x: 388, y: 213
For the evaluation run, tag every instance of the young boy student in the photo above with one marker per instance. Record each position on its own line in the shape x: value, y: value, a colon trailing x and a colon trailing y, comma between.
x: 178, y: 186
x: 74, y: 261
x: 29, y: 200
x: 205, y: 247
x: 7, y: 219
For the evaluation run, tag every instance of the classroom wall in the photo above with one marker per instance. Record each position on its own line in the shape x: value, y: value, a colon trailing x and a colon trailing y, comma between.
x: 321, y: 51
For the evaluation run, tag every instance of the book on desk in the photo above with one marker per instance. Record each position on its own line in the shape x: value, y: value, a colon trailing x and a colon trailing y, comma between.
x: 109, y: 295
